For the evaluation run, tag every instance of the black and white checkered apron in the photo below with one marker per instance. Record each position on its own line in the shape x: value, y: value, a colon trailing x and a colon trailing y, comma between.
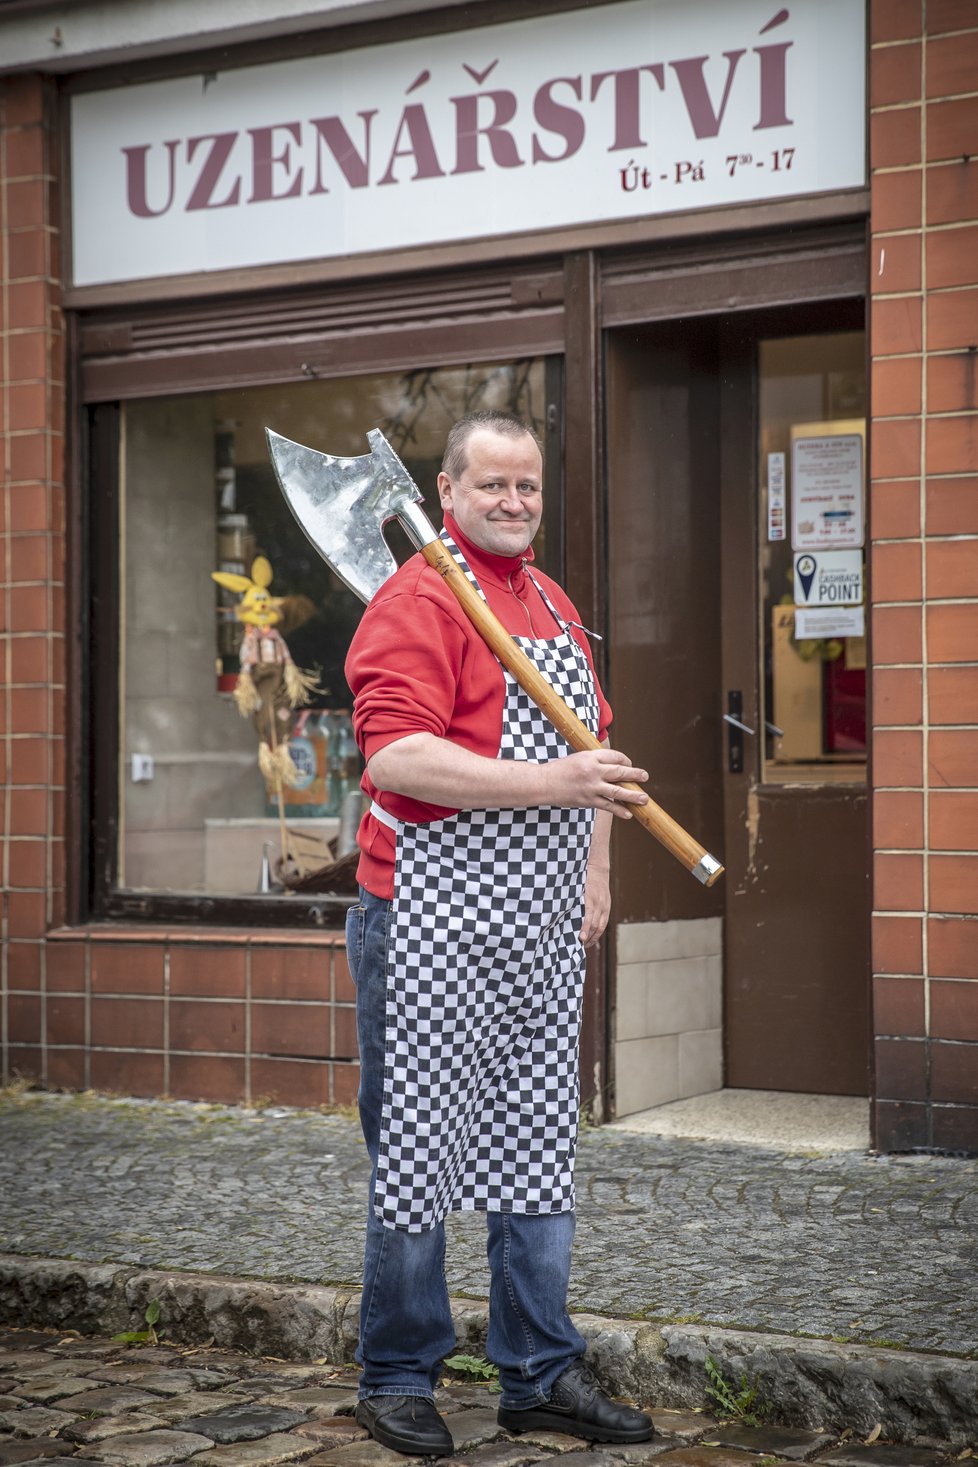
x: 484, y: 985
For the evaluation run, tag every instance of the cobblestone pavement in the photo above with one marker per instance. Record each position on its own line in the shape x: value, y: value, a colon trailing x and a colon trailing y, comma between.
x: 841, y: 1246
x: 67, y: 1399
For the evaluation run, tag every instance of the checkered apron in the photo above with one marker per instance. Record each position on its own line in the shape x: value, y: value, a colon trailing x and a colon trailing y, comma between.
x: 484, y: 985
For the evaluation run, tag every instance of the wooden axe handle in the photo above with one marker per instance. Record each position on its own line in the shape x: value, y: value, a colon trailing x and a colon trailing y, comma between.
x: 666, y: 830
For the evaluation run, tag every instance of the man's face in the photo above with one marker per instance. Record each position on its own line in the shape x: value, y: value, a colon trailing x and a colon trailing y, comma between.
x: 497, y: 501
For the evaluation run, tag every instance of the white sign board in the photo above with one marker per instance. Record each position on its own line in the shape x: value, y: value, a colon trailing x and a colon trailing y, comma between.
x: 776, y: 503
x: 613, y: 113
x: 829, y: 578
x: 827, y: 492
x: 823, y: 622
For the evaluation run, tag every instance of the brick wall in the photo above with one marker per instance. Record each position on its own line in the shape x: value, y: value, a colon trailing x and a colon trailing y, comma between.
x: 924, y: 344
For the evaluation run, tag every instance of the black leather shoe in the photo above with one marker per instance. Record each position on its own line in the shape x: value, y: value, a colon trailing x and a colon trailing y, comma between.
x: 406, y: 1424
x: 579, y: 1406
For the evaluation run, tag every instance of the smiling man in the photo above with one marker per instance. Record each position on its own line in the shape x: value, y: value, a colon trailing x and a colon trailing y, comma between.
x: 483, y: 880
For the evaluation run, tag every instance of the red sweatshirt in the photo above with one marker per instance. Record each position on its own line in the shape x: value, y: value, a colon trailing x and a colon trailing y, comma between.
x: 417, y: 665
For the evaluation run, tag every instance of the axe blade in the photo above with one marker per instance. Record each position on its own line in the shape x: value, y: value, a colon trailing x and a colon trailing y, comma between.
x: 342, y: 505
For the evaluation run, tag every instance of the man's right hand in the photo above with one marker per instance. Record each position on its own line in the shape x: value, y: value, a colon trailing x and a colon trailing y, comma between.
x: 595, y: 780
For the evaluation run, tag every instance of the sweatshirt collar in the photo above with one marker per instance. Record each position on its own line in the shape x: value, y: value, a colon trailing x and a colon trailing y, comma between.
x: 483, y: 562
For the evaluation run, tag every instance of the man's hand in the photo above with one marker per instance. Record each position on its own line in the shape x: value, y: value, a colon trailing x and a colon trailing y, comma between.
x: 597, y: 904
x: 594, y: 780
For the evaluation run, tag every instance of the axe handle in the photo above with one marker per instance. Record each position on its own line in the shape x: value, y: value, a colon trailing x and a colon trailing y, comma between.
x: 666, y: 830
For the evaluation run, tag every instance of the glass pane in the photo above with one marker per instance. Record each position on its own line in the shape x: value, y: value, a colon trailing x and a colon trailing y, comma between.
x: 811, y: 456
x: 199, y: 495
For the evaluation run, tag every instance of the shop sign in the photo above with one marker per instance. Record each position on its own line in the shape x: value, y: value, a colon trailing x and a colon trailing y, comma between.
x: 827, y: 492
x: 610, y: 113
x: 829, y: 578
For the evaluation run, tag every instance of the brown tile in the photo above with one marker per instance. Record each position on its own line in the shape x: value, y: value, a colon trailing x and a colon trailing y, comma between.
x: 897, y: 944
x: 901, y: 1069
x: 213, y: 1026
x: 952, y: 319
x: 951, y: 129
x: 25, y: 914
x: 897, y: 634
x: 898, y: 1007
x: 29, y: 609
x: 897, y: 695
x: 898, y: 820
x: 896, y: 325
x: 344, y: 988
x: 953, y: 1072
x: 30, y: 507
x: 894, y: 74
x: 65, y: 1020
x: 23, y: 1018
x: 953, y: 820
x: 207, y: 1077
x: 66, y: 1069
x: 952, y: 444
x: 898, y: 882
x: 952, y: 695
x: 955, y: 1128
x: 896, y: 448
x: 896, y: 570
x: 894, y: 138
x: 345, y: 1083
x: 126, y: 968
x: 28, y: 811
x: 127, y: 1023
x: 900, y: 1126
x: 28, y: 863
x: 207, y: 972
x: 952, y: 633
x: 952, y: 758
x: 344, y: 1045
x: 290, y: 972
x: 29, y: 660
x: 895, y: 385
x: 952, y: 191
x: 952, y: 383
x: 949, y: 15
x: 951, y: 257
x: 952, y: 506
x: 24, y: 964
x: 291, y: 1030
x: 951, y: 65
x: 27, y: 256
x: 895, y: 20
x: 898, y: 759
x: 954, y: 1010
x: 24, y: 1061
x: 895, y: 266
x: 953, y: 883
x: 30, y: 761
x: 895, y: 507
x: 28, y: 311
x: 127, y: 1074
x: 290, y: 1082
x: 23, y: 99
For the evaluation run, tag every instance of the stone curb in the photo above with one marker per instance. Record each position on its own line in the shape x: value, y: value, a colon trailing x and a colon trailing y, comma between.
x: 810, y: 1382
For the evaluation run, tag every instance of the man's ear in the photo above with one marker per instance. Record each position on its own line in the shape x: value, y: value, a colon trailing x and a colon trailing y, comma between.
x: 444, y: 489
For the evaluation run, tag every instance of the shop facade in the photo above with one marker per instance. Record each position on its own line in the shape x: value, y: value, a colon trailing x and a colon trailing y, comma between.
x: 723, y: 258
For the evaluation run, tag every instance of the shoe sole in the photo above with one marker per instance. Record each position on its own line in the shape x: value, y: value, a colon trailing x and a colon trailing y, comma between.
x: 538, y: 1421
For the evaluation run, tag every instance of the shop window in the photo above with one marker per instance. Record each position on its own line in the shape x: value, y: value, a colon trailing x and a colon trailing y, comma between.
x: 196, y: 817
x: 812, y: 536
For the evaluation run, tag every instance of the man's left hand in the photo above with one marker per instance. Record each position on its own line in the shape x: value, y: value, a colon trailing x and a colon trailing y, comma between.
x: 597, y: 905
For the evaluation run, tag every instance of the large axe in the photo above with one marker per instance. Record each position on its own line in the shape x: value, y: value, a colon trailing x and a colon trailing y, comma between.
x: 343, y: 504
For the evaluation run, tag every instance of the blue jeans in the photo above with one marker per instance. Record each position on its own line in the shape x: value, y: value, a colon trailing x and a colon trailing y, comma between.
x: 405, y: 1319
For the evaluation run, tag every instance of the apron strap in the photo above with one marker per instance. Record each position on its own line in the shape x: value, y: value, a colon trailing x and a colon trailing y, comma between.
x: 379, y: 813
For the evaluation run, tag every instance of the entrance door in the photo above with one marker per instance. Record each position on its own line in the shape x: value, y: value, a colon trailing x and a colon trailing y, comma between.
x: 713, y: 425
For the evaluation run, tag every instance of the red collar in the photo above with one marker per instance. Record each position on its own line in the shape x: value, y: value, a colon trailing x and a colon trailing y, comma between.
x: 506, y: 570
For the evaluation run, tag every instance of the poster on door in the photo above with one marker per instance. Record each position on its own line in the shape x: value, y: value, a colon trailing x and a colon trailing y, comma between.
x: 827, y: 492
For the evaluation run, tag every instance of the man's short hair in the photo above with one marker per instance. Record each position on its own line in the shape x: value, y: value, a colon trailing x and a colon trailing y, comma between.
x: 507, y: 424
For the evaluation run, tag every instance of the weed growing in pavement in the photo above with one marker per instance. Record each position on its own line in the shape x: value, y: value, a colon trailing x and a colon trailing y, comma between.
x: 475, y: 1369
x: 148, y: 1336
x: 744, y: 1404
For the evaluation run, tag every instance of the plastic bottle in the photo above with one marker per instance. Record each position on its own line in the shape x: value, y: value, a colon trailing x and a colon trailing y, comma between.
x: 308, y: 749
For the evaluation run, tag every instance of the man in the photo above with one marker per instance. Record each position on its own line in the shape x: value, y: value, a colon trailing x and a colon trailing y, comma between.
x: 483, y: 876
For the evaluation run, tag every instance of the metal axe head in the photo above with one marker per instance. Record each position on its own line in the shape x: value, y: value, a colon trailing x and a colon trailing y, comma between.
x: 343, y: 504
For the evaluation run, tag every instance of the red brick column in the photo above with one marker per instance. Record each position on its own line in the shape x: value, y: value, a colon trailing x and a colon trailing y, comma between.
x: 924, y: 524
x: 32, y: 571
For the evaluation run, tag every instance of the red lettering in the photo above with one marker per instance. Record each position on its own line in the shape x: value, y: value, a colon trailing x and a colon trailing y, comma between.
x: 421, y: 145
x: 627, y: 102
x: 468, y: 131
x: 554, y: 117
x: 264, y: 162
x: 774, y: 86
x: 136, y: 181
x: 706, y: 122
x: 333, y: 135
x: 202, y: 196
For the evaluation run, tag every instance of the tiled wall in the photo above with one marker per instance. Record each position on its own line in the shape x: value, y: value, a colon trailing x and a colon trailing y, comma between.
x: 924, y: 454
x: 669, y: 1012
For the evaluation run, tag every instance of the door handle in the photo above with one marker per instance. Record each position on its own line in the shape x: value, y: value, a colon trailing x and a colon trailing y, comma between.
x: 736, y: 728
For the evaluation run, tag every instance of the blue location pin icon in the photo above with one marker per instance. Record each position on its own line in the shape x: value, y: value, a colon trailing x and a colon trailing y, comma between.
x: 806, y: 569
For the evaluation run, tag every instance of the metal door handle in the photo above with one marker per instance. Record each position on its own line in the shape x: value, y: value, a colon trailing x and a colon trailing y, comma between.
x: 729, y: 718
